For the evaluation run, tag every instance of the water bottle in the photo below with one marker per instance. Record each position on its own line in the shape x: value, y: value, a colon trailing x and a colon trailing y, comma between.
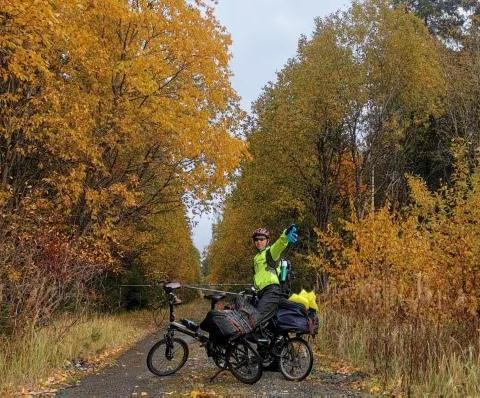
x: 283, y: 270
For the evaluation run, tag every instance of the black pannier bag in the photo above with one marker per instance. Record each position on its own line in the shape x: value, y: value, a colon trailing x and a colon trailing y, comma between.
x: 292, y: 317
x: 247, y: 310
x: 225, y: 325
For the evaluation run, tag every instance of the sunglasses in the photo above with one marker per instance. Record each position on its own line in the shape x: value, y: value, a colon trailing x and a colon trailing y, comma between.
x: 261, y: 239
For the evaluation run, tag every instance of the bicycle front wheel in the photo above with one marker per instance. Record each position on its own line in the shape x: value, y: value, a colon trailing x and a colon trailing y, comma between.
x: 167, y: 356
x: 296, y: 359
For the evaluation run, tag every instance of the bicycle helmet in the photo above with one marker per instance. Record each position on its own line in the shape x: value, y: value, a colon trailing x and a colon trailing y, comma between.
x: 261, y: 232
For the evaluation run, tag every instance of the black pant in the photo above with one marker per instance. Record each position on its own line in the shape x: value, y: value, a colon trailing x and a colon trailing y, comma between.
x: 268, y: 299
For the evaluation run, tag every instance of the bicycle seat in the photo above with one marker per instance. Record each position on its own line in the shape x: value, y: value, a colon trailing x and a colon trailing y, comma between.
x: 171, y: 286
x: 215, y: 296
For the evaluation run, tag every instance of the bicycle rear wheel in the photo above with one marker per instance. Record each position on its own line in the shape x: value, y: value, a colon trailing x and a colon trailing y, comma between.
x: 244, y: 362
x: 167, y: 356
x: 296, y: 359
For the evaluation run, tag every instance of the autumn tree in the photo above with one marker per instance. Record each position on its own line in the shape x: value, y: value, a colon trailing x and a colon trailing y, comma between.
x: 411, y: 273
x: 446, y: 18
x: 339, y: 114
x: 428, y: 152
x: 113, y: 114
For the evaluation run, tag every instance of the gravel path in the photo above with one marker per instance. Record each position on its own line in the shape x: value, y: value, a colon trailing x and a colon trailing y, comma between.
x: 129, y: 377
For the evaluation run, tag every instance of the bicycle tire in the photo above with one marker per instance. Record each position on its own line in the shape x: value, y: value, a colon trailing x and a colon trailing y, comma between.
x: 153, y: 365
x: 287, y: 358
x: 239, y: 353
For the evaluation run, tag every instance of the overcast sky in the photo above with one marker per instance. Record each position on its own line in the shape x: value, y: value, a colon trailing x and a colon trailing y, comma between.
x: 264, y: 35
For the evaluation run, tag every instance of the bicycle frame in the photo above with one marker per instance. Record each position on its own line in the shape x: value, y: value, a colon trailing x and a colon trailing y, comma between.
x: 176, y: 326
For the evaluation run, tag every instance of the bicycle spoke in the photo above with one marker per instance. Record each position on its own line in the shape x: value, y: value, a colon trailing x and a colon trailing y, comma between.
x: 296, y: 359
x: 162, y: 362
x: 243, y: 362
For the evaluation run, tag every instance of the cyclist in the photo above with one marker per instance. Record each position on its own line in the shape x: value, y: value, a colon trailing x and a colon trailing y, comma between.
x: 265, y: 277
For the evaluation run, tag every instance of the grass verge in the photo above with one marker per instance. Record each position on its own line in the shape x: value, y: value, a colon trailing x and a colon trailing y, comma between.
x: 52, y: 355
x: 449, y: 370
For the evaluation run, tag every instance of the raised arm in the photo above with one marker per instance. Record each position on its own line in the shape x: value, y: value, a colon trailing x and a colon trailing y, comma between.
x: 279, y: 246
x: 288, y: 236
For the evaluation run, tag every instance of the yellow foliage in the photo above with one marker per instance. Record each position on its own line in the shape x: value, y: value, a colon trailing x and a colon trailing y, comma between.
x: 114, y: 114
x: 125, y: 100
x: 421, y: 262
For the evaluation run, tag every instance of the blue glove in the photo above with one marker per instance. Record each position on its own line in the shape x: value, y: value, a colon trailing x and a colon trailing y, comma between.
x: 291, y: 233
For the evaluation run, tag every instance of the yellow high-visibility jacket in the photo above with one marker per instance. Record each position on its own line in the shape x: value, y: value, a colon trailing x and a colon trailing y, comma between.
x: 265, y: 263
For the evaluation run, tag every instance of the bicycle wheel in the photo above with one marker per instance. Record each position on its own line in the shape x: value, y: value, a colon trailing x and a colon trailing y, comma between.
x: 167, y: 357
x: 296, y: 359
x: 244, y: 362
